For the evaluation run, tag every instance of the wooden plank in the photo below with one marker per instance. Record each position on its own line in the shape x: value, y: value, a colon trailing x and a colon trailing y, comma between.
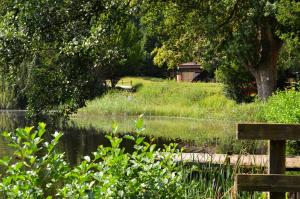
x: 276, y: 163
x: 292, y: 163
x: 268, y: 131
x: 276, y: 157
x: 270, y: 182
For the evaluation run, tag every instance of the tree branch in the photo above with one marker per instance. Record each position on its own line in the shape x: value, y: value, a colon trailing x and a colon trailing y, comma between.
x: 227, y: 20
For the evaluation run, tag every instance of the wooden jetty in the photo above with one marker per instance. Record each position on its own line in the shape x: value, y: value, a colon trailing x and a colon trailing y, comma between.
x: 292, y: 163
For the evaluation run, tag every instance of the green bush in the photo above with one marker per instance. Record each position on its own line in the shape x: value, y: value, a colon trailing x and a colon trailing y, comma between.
x: 237, y: 81
x: 37, y: 170
x: 41, y: 172
x: 284, y: 107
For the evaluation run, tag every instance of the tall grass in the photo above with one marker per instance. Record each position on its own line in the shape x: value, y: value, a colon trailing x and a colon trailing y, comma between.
x: 217, y: 181
x: 169, y: 98
x: 215, y: 115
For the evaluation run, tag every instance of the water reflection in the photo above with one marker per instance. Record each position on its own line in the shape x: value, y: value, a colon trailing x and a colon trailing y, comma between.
x: 9, y: 120
x: 83, y: 135
x: 77, y: 141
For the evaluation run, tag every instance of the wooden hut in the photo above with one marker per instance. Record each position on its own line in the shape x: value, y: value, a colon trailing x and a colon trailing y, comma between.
x: 188, y: 72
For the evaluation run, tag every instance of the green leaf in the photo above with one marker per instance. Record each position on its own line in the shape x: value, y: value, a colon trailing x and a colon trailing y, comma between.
x: 6, y: 134
x: 152, y: 147
x: 129, y: 137
x: 28, y: 130
x: 41, y: 130
x: 139, y: 140
x: 139, y: 123
x: 42, y: 125
x: 4, y: 161
x: 115, y: 128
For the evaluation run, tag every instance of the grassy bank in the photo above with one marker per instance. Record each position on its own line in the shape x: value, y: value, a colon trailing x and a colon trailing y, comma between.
x: 197, y: 112
x: 157, y: 97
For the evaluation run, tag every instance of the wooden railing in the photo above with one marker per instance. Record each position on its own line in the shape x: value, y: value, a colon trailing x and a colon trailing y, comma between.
x: 275, y: 181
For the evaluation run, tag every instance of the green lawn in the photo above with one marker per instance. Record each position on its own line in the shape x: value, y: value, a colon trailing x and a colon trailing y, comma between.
x: 160, y: 97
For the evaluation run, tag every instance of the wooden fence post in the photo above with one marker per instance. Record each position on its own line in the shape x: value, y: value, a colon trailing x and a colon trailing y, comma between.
x: 275, y: 182
x: 276, y: 163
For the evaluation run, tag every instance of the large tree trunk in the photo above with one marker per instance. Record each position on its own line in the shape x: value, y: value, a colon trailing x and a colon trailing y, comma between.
x: 265, y: 72
x: 266, y: 78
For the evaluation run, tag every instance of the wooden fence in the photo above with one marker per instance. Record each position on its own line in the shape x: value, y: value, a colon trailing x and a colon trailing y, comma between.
x: 275, y: 181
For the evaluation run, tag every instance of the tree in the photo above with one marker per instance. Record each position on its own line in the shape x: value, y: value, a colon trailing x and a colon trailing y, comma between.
x: 115, y: 53
x: 55, y: 54
x: 250, y: 33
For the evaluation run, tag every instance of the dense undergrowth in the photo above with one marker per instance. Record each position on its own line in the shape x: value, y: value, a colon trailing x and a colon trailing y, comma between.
x: 284, y: 107
x: 37, y: 170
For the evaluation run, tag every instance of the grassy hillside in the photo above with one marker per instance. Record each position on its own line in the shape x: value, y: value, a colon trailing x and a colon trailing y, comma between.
x: 168, y: 98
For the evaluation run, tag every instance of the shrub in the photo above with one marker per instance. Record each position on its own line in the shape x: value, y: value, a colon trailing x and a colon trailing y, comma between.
x: 284, y: 107
x: 37, y: 170
x: 237, y: 82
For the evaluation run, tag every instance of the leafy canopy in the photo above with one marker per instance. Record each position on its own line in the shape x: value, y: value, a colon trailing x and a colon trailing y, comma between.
x: 58, y: 54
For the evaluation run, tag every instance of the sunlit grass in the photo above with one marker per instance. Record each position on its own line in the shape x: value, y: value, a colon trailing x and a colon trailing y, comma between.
x: 168, y: 98
x: 204, y: 115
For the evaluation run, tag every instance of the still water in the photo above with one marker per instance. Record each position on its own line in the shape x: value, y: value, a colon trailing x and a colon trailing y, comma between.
x: 82, y: 135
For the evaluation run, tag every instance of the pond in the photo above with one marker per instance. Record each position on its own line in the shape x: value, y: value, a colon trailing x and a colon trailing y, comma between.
x: 82, y: 135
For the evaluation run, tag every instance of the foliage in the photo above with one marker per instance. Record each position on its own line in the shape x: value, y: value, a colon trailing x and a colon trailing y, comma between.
x: 64, y: 51
x: 37, y: 170
x: 248, y: 34
x: 289, y: 59
x: 284, y: 107
x: 42, y: 172
x: 6, y: 96
x: 83, y: 43
x: 237, y: 82
x: 288, y: 16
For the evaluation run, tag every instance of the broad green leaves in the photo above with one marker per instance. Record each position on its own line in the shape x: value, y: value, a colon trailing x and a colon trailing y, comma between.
x: 37, y: 170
